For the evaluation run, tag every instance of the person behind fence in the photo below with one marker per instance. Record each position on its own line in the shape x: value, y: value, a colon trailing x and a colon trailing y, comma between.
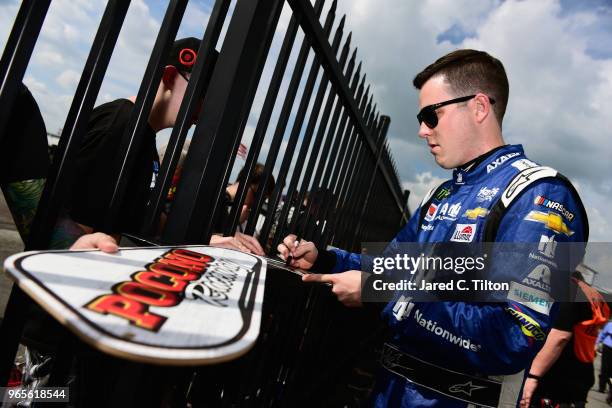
x: 463, y: 98
x: 221, y: 217
x: 562, y: 372
x: 93, y: 184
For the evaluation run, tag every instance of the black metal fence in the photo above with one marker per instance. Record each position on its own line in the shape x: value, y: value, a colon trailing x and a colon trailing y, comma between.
x: 343, y: 181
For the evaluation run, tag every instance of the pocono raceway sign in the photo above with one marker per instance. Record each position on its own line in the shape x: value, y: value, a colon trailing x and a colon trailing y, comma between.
x: 189, y: 305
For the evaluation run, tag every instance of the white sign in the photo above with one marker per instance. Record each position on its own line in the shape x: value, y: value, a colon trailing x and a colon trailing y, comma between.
x: 166, y: 305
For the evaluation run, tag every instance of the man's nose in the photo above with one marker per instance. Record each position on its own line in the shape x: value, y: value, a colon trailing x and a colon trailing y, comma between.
x: 424, y: 130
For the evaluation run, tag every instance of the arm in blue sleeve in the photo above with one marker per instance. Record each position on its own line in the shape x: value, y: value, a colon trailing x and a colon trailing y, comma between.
x: 502, y: 337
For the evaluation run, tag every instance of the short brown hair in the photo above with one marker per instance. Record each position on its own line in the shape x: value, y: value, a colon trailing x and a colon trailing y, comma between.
x: 256, y: 178
x: 468, y: 72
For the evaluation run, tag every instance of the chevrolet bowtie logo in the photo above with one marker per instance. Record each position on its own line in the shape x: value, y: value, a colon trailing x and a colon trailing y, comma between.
x: 476, y: 212
x: 551, y: 220
x: 466, y: 388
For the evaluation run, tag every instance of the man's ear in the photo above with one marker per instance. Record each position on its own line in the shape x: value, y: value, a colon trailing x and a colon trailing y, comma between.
x: 483, y: 107
x: 169, y: 76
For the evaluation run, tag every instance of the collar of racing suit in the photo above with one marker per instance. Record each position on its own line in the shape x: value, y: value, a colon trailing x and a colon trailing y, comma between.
x: 475, y: 170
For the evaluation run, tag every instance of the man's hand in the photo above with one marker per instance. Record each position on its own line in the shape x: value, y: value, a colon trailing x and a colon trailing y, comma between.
x: 303, y: 253
x: 530, y: 386
x: 98, y: 240
x: 239, y: 241
x: 346, y: 285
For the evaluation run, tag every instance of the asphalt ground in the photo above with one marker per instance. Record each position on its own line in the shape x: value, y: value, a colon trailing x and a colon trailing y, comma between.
x: 10, y: 243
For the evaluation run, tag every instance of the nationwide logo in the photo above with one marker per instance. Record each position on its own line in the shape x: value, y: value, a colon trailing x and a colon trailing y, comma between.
x: 443, y: 193
x: 552, y: 221
x: 474, y: 213
x: 539, y: 278
x: 464, y: 233
x: 500, y: 160
x: 554, y: 205
x: 459, y: 178
x: 431, y: 212
x: 432, y: 326
x: 529, y: 326
x: 487, y: 194
x: 547, y: 246
x: 402, y: 308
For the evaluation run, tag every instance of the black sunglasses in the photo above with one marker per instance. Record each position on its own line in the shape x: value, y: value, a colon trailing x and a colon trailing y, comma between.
x: 430, y: 117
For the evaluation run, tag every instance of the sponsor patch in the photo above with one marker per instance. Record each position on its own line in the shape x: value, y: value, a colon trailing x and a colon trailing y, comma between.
x: 487, y: 194
x: 431, y: 212
x: 552, y: 221
x: 554, y: 205
x: 547, y: 246
x: 532, y: 298
x: 474, y: 213
x: 529, y: 326
x: 539, y: 277
x: 464, y: 233
x: 500, y: 160
x: 443, y: 193
x: 523, y: 164
x: 427, y: 227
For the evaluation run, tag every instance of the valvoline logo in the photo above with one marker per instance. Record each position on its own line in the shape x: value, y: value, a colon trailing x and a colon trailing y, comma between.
x: 464, y: 233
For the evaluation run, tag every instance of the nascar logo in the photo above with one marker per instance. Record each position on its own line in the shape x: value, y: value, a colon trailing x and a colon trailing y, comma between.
x: 552, y: 221
x: 554, y: 205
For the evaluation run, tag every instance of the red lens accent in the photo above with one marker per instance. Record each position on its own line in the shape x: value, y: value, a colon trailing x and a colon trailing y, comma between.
x: 187, y: 57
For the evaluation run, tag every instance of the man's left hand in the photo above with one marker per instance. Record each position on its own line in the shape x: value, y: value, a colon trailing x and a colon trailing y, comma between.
x: 528, y: 389
x: 346, y: 285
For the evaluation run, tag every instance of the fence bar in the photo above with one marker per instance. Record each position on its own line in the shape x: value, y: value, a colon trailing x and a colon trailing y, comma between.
x: 313, y: 31
x: 316, y: 145
x: 333, y: 132
x: 293, y: 138
x: 139, y: 118
x: 17, y: 53
x: 282, y: 125
x: 196, y: 87
x: 217, y: 134
x: 264, y: 120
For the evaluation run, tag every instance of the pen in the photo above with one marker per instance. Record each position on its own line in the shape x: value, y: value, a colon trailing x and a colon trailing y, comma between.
x: 289, y: 257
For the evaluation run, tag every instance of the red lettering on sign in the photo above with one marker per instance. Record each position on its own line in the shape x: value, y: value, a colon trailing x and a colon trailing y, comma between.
x: 174, y: 271
x: 184, y: 263
x: 195, y: 256
x: 129, y: 309
x: 160, y: 281
x: 147, y: 294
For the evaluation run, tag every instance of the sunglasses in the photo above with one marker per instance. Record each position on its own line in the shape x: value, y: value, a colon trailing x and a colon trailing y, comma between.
x: 430, y: 117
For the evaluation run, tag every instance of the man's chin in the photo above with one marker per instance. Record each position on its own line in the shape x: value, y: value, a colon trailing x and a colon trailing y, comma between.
x: 442, y: 163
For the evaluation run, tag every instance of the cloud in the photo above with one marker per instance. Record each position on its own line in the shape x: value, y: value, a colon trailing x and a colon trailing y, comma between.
x: 420, y: 187
x: 68, y: 78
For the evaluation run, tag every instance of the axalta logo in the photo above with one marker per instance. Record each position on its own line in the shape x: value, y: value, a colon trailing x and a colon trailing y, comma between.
x: 464, y: 233
x: 431, y: 212
x: 529, y: 326
x: 539, y: 278
x: 552, y: 221
x: 500, y: 160
x: 554, y: 205
x: 487, y: 194
x: 432, y: 326
x: 474, y: 213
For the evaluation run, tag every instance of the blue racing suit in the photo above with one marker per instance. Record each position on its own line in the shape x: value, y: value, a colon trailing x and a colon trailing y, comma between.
x: 495, y: 339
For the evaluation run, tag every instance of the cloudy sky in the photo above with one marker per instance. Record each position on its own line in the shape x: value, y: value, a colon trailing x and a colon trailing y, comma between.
x: 557, y: 53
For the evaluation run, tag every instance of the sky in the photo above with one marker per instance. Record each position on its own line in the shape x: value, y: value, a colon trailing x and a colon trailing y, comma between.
x: 557, y: 54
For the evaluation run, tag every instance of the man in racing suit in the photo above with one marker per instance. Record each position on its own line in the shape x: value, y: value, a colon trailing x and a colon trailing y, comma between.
x: 458, y: 353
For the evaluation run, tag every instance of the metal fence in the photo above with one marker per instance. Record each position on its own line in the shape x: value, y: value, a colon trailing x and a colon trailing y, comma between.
x: 336, y: 156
